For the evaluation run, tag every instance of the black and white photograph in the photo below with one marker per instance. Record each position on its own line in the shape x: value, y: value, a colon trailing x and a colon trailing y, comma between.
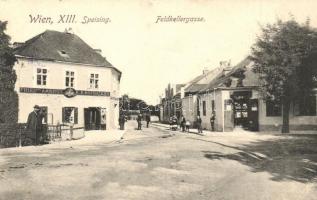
x: 158, y: 100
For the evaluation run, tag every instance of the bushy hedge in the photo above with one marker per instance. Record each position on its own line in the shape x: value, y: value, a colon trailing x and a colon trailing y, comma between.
x: 10, y: 134
x: 8, y: 107
x: 8, y: 97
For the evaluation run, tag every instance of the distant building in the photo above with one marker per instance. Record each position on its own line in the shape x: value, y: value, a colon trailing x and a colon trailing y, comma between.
x: 171, y: 103
x: 190, y: 99
x: 235, y: 97
x: 71, y: 81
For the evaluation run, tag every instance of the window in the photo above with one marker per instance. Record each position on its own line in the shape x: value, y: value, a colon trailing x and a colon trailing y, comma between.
x: 212, y: 105
x: 305, y: 107
x: 204, y: 108
x: 198, y: 111
x: 41, y: 76
x: 70, y: 115
x: 273, y: 109
x: 69, y: 79
x: 94, y: 80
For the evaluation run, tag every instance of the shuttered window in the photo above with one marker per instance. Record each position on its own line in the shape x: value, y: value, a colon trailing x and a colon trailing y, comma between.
x: 70, y: 115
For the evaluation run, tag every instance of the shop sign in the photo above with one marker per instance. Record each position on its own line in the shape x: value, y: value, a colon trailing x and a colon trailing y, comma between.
x: 69, y: 92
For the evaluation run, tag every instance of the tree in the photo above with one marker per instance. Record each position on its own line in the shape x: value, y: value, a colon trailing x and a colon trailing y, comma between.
x: 124, y: 103
x: 285, y: 57
x: 8, y: 97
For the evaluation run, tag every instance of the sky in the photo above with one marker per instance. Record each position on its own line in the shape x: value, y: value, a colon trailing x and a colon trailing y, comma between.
x: 149, y: 54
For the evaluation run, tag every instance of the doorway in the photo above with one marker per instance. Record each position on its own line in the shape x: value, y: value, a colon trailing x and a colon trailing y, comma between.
x: 92, y: 118
x: 245, y: 110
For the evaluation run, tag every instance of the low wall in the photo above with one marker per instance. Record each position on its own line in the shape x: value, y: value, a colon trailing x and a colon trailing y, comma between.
x: 72, y: 134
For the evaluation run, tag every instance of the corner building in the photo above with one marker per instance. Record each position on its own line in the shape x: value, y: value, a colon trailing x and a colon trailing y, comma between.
x: 68, y: 79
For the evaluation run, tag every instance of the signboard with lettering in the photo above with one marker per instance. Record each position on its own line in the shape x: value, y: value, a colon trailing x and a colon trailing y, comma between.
x: 68, y: 92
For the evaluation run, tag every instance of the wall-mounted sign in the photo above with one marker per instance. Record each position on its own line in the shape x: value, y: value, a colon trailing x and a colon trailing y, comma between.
x: 228, y: 104
x: 69, y: 92
x: 62, y: 92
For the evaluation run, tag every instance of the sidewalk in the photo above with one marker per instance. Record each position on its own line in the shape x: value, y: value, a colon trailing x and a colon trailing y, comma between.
x: 236, y: 132
x: 240, y: 131
x: 191, y: 130
x: 95, y: 137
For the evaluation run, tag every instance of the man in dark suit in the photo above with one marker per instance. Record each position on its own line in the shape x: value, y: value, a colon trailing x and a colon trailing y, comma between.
x: 34, y: 124
x: 148, y: 119
x: 198, y: 122
x: 121, y: 121
x: 139, y: 120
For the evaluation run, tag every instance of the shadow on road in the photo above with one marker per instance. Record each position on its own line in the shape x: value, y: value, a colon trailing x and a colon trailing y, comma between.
x: 287, y: 158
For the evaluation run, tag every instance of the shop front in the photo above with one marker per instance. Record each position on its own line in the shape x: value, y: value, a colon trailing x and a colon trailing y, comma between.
x: 240, y: 110
x: 245, y: 110
x: 95, y: 118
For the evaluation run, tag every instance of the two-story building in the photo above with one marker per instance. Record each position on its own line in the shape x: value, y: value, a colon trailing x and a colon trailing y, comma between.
x: 72, y: 82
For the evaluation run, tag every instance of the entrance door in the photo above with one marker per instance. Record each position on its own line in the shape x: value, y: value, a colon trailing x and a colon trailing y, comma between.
x: 241, y: 108
x: 92, y: 118
x: 241, y: 113
x: 253, y: 115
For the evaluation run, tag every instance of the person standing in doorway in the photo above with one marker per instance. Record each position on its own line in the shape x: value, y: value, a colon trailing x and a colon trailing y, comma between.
x: 34, y: 124
x: 148, y: 119
x: 212, y: 120
x: 198, y: 122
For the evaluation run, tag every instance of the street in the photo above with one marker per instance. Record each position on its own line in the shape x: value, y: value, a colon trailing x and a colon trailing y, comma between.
x: 156, y: 163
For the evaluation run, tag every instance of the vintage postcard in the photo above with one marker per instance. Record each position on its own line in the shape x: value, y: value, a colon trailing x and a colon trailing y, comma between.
x: 158, y: 99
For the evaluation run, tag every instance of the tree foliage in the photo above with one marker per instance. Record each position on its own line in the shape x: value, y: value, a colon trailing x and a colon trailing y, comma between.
x: 8, y: 97
x: 285, y: 56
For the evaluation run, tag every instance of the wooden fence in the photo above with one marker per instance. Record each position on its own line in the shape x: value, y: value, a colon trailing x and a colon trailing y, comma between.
x: 14, y: 135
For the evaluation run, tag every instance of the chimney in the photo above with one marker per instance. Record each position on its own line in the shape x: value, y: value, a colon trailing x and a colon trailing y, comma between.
x: 225, y: 66
x: 17, y: 44
x: 205, y: 71
x: 69, y: 30
x: 98, y: 51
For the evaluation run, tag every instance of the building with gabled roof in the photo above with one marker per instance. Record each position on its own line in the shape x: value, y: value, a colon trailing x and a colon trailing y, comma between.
x: 72, y: 82
x: 190, y: 97
x: 237, y: 102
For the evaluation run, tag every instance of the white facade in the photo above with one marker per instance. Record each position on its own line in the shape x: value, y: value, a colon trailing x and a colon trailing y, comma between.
x: 108, y: 80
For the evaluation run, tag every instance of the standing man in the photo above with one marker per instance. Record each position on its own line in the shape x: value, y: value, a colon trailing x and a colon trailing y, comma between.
x: 34, y: 124
x: 121, y: 121
x: 183, y: 124
x: 148, y: 119
x: 198, y: 122
x: 139, y: 120
x: 212, y: 120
